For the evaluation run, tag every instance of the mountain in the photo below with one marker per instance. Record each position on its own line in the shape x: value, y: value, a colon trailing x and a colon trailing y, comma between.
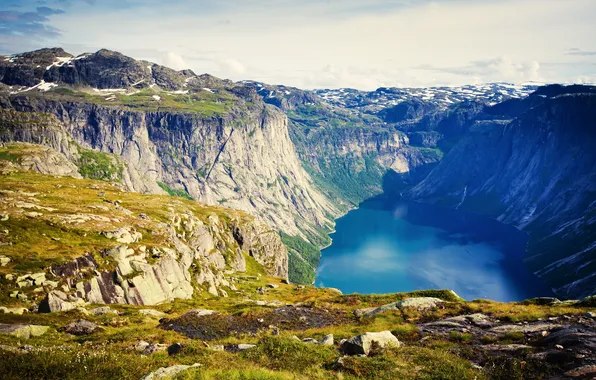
x: 172, y: 131
x: 530, y: 163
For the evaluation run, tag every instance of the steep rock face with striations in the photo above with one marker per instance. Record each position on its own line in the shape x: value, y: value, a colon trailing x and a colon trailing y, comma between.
x: 531, y: 164
x: 222, y: 144
x: 91, y: 241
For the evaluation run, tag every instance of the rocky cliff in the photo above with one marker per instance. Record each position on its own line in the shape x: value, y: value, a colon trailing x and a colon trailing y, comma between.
x: 219, y: 144
x: 92, y: 241
x: 531, y: 164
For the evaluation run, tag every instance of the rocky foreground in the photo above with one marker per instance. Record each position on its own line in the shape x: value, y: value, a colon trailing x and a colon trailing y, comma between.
x: 273, y: 330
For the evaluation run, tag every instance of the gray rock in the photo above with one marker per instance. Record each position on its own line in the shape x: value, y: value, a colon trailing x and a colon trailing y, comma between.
x: 310, y: 340
x: 200, y: 312
x: 55, y: 301
x: 4, y: 260
x: 272, y: 286
x: 23, y: 331
x: 239, y: 347
x: 103, y: 311
x: 583, y: 372
x: 141, y: 346
x: 509, y: 348
x: 591, y: 314
x: 418, y: 303
x: 152, y: 313
x: 174, y: 349
x: 533, y: 328
x: 81, y: 327
x: 154, y: 347
x: 327, y: 340
x: 169, y: 372
x: 362, y: 344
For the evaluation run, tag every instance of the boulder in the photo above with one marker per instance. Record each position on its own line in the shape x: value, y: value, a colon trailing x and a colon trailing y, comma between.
x: 103, y: 311
x: 200, y: 313
x: 152, y: 313
x: 4, y: 260
x: 362, y: 344
x: 168, y: 372
x: 583, y: 372
x: 55, y: 301
x: 239, y: 347
x: 327, y: 340
x: 174, y: 349
x: 125, y: 235
x: 272, y: 286
x: 16, y: 310
x: 81, y: 327
x: 23, y: 331
x: 591, y: 314
x: 418, y: 303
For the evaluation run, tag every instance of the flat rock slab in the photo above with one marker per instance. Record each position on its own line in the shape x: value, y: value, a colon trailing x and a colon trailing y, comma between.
x: 417, y: 303
x: 587, y: 370
x: 533, y: 328
x: 152, y: 313
x: 23, y: 331
x: 169, y: 372
x: 506, y: 348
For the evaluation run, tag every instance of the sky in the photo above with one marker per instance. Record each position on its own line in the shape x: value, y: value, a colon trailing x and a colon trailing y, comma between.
x: 363, y: 44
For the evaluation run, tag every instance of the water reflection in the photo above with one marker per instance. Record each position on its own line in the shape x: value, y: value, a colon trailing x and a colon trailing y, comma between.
x: 387, y: 246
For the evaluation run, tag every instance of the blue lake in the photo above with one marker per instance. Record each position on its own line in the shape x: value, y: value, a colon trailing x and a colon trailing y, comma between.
x: 389, y: 246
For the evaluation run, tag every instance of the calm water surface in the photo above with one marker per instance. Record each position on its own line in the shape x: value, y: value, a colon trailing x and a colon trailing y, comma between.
x: 389, y: 246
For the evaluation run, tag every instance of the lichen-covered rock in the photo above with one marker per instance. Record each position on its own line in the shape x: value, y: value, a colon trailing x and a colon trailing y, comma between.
x: 168, y: 372
x: 55, y: 301
x: 362, y: 344
x: 23, y: 331
x: 81, y: 327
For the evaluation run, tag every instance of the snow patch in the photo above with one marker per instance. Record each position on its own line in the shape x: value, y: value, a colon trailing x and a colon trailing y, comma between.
x: 208, y: 90
x: 156, y: 97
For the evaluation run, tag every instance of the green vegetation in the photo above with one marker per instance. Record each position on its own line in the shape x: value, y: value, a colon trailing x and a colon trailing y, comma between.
x: 301, y: 271
x: 99, y: 165
x: 174, y: 192
x: 203, y: 103
x: 323, y: 115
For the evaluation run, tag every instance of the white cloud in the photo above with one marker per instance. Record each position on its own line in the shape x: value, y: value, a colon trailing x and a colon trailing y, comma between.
x: 174, y: 61
x: 348, y: 44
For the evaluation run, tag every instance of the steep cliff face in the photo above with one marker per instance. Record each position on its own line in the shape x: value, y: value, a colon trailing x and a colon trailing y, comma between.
x: 82, y: 240
x: 243, y: 159
x: 535, y: 172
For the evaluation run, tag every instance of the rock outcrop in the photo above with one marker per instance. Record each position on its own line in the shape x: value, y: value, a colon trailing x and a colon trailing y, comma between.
x: 530, y: 164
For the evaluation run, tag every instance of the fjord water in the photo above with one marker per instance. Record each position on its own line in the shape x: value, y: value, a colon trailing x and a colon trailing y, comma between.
x: 388, y: 246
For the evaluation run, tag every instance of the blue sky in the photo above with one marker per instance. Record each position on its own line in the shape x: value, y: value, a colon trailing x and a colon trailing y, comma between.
x: 325, y: 43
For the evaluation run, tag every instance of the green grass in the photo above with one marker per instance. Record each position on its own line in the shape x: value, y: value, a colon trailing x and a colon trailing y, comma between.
x: 174, y: 192
x: 99, y: 165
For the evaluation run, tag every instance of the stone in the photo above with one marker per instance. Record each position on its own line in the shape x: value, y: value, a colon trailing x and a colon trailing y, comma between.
x: 4, y: 260
x: 327, y: 340
x: 239, y: 347
x: 23, y: 331
x: 200, y: 313
x: 152, y: 313
x: 4, y: 217
x: 583, y: 371
x: 169, y: 372
x: 125, y: 235
x: 534, y: 328
x: 16, y: 310
x: 543, y: 301
x: 10, y: 277
x: 309, y: 340
x: 103, y: 311
x: 217, y: 347
x: 272, y: 286
x: 155, y: 347
x: 174, y: 349
x: 141, y: 346
x: 418, y: 303
x: 55, y: 301
x: 362, y: 344
x: 509, y: 348
x: 81, y: 327
x: 50, y: 284
x: 591, y: 314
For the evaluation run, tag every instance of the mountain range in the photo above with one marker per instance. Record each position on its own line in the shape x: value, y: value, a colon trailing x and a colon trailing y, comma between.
x: 299, y: 159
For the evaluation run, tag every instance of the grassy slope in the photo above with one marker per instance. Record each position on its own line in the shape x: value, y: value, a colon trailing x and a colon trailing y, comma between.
x: 109, y: 353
